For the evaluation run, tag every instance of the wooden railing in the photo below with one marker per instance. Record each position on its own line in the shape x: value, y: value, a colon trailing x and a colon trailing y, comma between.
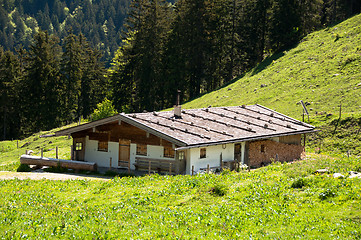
x: 153, y: 164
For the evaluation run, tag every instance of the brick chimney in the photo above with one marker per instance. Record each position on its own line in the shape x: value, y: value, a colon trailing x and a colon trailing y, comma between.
x: 178, y: 107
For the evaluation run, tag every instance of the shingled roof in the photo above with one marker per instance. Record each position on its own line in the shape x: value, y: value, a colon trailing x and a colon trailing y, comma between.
x: 208, y: 126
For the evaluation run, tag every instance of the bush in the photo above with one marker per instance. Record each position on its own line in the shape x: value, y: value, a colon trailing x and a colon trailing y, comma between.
x: 23, y: 168
x: 326, y: 194
x: 219, y: 190
x: 111, y: 173
x: 57, y: 169
x: 104, y: 109
x: 299, y: 183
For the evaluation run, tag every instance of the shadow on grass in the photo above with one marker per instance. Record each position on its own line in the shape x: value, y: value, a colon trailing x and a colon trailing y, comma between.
x: 265, y: 63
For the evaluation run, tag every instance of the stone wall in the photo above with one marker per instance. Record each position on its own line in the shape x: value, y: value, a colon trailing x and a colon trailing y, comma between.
x: 265, y: 151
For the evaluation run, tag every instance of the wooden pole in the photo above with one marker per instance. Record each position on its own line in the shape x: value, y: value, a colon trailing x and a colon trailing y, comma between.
x: 72, y: 153
x: 56, y: 152
x: 192, y: 170
x: 42, y: 154
x: 221, y: 161
x: 170, y: 168
x: 303, y: 115
x: 110, y: 163
x: 150, y: 166
x: 304, y: 141
x: 207, y: 168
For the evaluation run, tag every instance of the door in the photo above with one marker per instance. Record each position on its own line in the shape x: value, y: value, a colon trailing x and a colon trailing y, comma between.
x: 237, y: 152
x: 124, y: 153
x: 181, y: 158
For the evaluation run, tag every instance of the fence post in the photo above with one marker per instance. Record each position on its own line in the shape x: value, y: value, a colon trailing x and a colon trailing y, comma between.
x: 170, y: 168
x: 221, y: 162
x: 56, y: 153
x: 110, y: 163
x: 72, y: 153
x: 207, y: 168
x: 42, y: 154
x: 192, y: 170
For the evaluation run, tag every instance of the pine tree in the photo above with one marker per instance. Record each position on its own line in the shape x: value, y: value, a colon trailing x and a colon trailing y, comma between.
x: 41, y: 90
x: 72, y: 73
x: 9, y: 101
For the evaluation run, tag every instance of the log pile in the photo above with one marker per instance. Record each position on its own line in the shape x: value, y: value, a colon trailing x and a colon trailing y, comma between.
x: 52, y: 162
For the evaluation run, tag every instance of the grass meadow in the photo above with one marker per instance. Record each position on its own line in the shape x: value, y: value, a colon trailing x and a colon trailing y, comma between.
x: 282, y: 201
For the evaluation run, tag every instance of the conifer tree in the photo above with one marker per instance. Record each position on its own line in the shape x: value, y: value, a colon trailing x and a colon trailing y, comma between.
x: 41, y: 90
x: 10, y: 75
x: 71, y: 72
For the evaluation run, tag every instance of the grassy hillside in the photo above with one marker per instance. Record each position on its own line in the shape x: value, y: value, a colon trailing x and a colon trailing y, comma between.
x: 279, y: 201
x: 323, y: 70
x: 10, y: 151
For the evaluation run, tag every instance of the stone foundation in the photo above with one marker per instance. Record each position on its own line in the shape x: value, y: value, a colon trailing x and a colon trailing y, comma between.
x: 264, y: 152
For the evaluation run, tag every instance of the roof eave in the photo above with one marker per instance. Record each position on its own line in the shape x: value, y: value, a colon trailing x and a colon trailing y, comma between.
x: 246, y: 139
x: 122, y: 117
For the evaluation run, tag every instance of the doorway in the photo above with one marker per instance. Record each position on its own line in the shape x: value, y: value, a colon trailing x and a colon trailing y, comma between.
x: 124, y: 153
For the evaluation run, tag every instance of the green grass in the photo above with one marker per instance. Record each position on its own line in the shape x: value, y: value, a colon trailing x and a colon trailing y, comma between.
x: 10, y: 151
x: 324, y: 69
x: 336, y: 135
x: 261, y: 204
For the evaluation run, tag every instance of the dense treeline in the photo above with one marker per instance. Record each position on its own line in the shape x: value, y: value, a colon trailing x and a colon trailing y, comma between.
x: 199, y: 45
x: 192, y: 45
x: 49, y: 85
x: 101, y: 21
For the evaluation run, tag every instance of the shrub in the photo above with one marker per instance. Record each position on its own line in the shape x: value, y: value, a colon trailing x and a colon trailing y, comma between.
x: 23, y: 168
x: 326, y: 194
x: 57, y: 169
x: 299, y: 183
x: 111, y: 173
x: 219, y: 190
x: 104, y: 109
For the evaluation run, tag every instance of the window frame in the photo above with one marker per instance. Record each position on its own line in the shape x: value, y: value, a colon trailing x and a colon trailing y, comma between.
x: 103, y: 148
x: 142, y: 149
x: 78, y: 146
x: 168, y: 152
x: 263, y: 148
x: 203, y: 153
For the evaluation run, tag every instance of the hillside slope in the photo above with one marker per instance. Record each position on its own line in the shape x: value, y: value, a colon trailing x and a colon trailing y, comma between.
x: 323, y: 70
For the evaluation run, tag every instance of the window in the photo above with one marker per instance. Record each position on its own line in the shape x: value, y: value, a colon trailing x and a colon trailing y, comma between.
x: 78, y: 146
x: 103, y: 146
x: 203, y: 153
x: 168, y: 152
x: 262, y: 148
x: 181, y: 155
x: 142, y: 149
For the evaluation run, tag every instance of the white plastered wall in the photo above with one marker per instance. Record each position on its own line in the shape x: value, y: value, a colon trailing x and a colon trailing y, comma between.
x: 102, y: 159
x: 212, y: 156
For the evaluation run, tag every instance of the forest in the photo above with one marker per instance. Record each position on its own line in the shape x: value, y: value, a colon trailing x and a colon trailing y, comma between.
x: 58, y: 59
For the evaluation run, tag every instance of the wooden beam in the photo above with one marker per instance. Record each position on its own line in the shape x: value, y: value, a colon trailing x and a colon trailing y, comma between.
x: 51, y: 162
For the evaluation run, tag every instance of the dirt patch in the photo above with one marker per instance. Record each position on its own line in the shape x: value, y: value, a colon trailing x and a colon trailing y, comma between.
x: 51, y: 176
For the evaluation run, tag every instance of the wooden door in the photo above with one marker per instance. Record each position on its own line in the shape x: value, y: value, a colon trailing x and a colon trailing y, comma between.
x: 181, y: 164
x: 124, y: 153
x: 237, y: 152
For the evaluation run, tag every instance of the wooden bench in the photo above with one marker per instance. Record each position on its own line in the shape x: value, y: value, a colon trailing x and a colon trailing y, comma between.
x: 153, y: 164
